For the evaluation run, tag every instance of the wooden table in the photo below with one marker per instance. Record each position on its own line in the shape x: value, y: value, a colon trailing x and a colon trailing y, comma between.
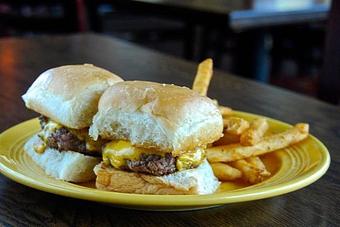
x: 22, y: 60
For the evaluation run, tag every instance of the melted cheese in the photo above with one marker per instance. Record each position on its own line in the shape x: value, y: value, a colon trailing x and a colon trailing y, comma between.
x: 190, y: 160
x: 49, y: 128
x: 39, y: 147
x: 116, y: 153
x: 81, y: 134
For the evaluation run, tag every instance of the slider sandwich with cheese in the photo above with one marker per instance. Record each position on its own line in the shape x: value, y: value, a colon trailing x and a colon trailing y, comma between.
x: 157, y: 134
x: 67, y: 99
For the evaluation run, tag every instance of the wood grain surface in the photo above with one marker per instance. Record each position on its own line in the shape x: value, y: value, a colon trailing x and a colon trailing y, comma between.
x: 22, y: 60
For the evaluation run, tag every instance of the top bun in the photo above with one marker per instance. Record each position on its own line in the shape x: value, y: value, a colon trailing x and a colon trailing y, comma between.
x: 152, y: 115
x: 69, y: 94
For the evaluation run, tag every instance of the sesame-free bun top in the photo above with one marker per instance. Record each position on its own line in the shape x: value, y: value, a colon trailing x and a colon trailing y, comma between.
x: 69, y: 94
x: 152, y: 115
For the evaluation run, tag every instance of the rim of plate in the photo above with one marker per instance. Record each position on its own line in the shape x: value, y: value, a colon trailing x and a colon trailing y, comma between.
x: 129, y: 199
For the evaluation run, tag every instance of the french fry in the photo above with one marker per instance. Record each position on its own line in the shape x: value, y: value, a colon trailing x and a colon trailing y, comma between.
x: 225, y: 172
x: 203, y: 77
x: 250, y: 172
x: 257, y: 163
x: 235, y: 125
x: 215, y: 102
x: 255, y: 132
x: 227, y: 139
x: 270, y: 143
x: 225, y: 111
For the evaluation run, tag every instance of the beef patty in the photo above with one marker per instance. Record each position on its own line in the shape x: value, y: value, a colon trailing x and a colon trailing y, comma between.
x: 43, y: 121
x: 63, y: 140
x: 153, y: 164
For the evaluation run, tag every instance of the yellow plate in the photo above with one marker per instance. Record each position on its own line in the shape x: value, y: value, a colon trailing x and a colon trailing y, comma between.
x: 292, y: 168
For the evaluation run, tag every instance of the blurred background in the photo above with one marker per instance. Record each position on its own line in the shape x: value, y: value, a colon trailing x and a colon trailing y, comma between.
x: 286, y: 43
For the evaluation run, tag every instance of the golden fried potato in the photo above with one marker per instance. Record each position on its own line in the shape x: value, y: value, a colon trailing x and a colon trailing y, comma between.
x: 235, y: 125
x: 225, y: 172
x: 225, y: 111
x: 255, y: 132
x: 251, y: 172
x: 270, y: 143
x: 203, y: 77
x: 227, y: 139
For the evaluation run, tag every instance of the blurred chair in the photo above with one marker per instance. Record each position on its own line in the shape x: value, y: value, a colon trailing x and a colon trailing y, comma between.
x: 40, y: 16
x: 330, y: 79
x: 105, y: 16
x: 306, y: 50
x: 297, y: 55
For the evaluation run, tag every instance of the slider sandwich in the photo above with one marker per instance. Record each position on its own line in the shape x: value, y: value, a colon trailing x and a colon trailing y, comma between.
x: 156, y: 137
x: 67, y: 99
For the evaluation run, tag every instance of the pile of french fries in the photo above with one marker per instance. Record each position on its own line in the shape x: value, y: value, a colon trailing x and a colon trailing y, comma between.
x: 237, y: 155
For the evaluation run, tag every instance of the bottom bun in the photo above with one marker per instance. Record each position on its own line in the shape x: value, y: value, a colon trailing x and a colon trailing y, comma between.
x: 66, y: 165
x: 198, y: 181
